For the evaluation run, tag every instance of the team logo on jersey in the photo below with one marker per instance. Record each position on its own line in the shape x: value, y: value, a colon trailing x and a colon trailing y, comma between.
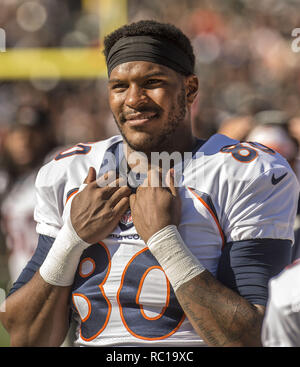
x: 126, y: 221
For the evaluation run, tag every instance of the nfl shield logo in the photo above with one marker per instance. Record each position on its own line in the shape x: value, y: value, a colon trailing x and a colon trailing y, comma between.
x: 126, y: 221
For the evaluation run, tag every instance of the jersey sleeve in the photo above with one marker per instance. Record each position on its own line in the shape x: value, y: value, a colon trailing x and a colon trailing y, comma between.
x: 49, y: 194
x: 42, y: 249
x: 264, y: 208
x: 247, y: 266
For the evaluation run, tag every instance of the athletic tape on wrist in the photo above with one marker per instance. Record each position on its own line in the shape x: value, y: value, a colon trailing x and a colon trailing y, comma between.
x: 62, y: 260
x: 177, y: 261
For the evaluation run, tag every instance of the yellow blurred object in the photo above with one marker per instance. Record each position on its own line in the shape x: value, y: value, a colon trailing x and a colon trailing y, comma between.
x: 90, y: 6
x: 65, y: 63
x: 112, y: 14
x: 50, y: 63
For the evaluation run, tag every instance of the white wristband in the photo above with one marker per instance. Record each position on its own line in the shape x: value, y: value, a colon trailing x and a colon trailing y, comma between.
x: 177, y: 261
x: 62, y: 260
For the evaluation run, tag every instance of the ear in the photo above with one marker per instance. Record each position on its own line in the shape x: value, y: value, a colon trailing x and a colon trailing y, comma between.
x: 191, y: 86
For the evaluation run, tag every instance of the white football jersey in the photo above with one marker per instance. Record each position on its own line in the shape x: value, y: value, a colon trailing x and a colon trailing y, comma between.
x: 230, y: 191
x: 281, y: 327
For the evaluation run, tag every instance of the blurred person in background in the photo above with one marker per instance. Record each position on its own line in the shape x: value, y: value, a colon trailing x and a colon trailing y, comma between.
x: 270, y: 129
x: 236, y: 127
x: 25, y: 146
x: 238, y: 123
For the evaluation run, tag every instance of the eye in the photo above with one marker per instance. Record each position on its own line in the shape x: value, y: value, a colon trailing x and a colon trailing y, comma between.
x: 153, y: 83
x: 118, y: 87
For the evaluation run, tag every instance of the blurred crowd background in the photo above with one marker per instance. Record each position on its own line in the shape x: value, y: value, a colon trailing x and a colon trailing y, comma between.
x: 249, y: 90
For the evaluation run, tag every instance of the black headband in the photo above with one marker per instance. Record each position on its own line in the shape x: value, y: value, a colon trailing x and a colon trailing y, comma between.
x: 147, y: 48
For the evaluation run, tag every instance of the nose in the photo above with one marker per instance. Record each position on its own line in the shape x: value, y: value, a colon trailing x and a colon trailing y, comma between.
x: 135, y: 96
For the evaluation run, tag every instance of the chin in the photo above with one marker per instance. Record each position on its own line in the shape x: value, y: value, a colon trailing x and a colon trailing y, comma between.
x: 142, y: 143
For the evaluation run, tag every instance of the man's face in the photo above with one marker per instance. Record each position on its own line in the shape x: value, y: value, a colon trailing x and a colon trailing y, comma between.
x: 148, y: 102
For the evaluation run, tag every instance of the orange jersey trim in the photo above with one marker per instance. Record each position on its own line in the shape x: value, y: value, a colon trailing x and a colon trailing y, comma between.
x: 211, y: 213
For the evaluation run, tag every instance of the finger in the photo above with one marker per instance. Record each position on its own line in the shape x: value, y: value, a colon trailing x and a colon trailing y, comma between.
x: 118, y: 195
x: 121, y: 207
x: 170, y: 181
x: 132, y: 199
x: 113, y: 187
x: 91, y: 176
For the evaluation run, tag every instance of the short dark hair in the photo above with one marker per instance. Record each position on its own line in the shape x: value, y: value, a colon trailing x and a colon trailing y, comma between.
x: 160, y: 31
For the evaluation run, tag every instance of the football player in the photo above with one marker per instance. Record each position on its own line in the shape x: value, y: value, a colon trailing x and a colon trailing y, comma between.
x: 184, y: 262
x: 282, y: 320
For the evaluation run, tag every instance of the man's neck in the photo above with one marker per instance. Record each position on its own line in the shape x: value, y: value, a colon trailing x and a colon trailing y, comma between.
x: 142, y: 162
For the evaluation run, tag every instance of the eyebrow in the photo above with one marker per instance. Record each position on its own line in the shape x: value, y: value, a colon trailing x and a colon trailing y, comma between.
x: 155, y: 73
x: 150, y: 75
x: 115, y: 80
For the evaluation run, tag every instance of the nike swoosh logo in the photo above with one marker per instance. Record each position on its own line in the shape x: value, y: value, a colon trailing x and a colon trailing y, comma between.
x: 275, y: 180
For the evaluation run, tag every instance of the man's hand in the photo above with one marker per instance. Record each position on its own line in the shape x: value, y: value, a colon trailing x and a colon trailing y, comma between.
x: 96, y: 211
x: 153, y: 208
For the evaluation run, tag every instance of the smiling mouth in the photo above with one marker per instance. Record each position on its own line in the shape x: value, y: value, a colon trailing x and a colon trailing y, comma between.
x: 141, y: 118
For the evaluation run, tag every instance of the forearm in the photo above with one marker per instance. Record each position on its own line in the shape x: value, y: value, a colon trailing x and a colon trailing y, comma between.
x: 37, y: 314
x: 218, y: 314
